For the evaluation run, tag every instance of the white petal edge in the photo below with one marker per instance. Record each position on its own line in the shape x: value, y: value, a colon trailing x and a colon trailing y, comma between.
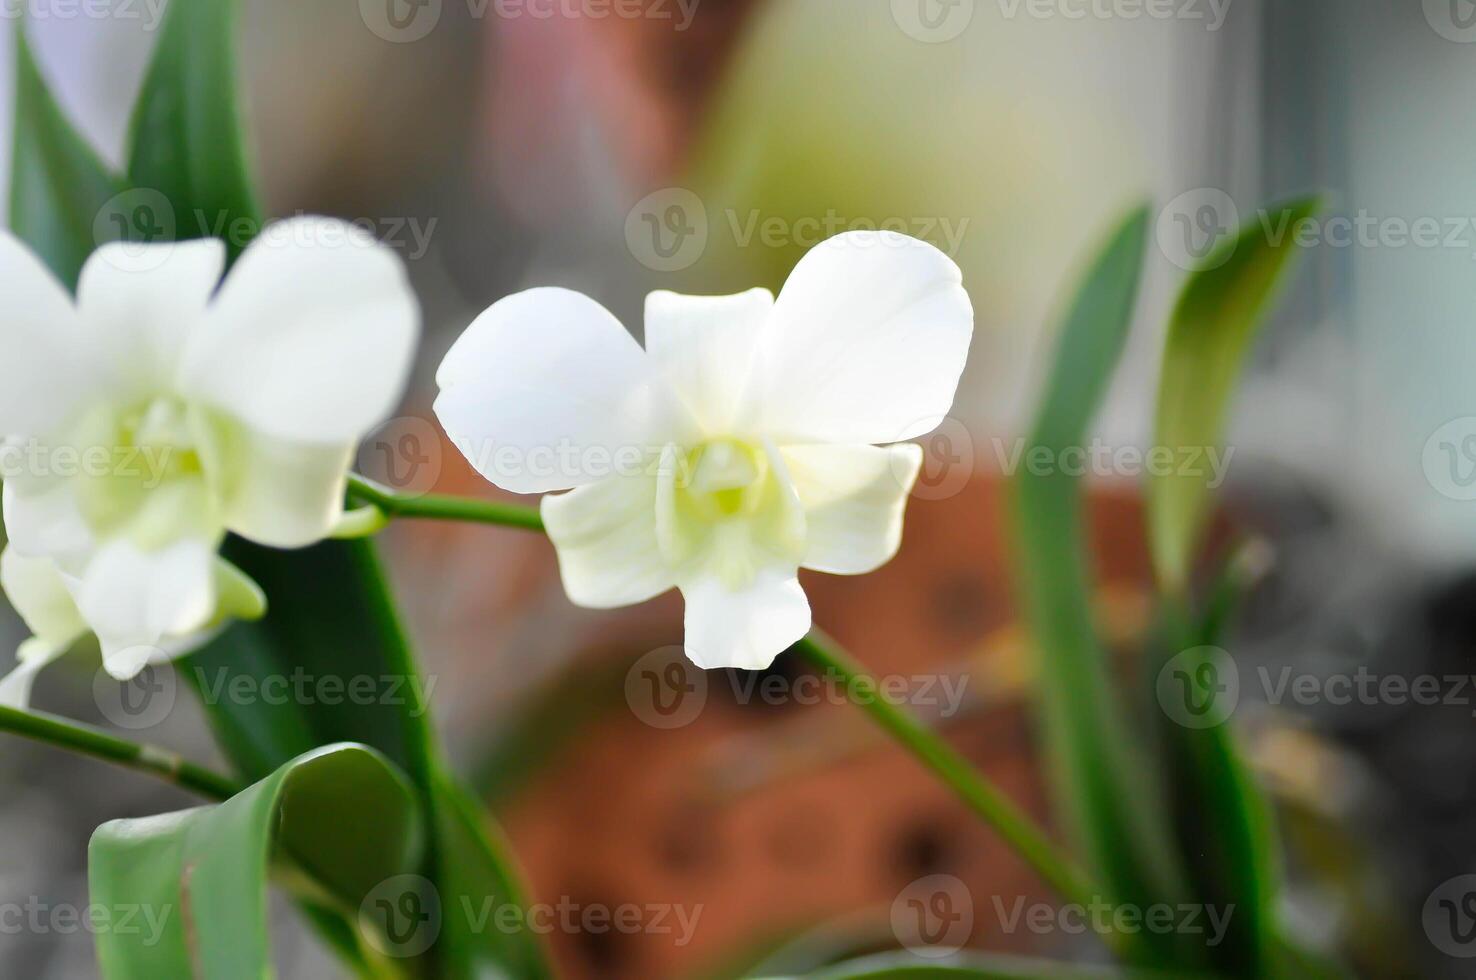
x: 606, y: 539
x: 276, y: 492
x: 854, y: 498
x: 290, y: 494
x: 705, y: 347
x: 38, y: 591
x: 42, y: 597
x: 47, y: 373
x: 33, y: 655
x: 547, y: 391
x: 748, y: 627
x: 134, y: 599
x: 43, y: 519
x: 238, y: 597
x: 140, y: 303
x: 866, y: 343
x: 311, y: 337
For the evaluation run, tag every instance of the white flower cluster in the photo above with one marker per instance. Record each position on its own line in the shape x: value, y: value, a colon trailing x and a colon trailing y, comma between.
x: 770, y: 432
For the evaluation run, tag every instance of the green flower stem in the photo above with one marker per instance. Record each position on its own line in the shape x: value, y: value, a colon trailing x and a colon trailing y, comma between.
x: 1008, y: 820
x: 1028, y: 840
x: 439, y: 507
x: 166, y: 765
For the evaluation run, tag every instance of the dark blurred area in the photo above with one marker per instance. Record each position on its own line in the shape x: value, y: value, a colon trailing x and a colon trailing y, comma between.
x: 703, y: 146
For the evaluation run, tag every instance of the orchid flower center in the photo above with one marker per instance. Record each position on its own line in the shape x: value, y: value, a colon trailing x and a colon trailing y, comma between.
x: 729, y: 512
x: 160, y: 428
x: 725, y: 479
x: 140, y: 467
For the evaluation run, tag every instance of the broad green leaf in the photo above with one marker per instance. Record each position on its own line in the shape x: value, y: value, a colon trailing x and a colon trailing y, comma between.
x: 1098, y: 771
x: 331, y: 625
x: 185, y: 138
x: 331, y: 620
x: 341, y: 815
x: 1209, y: 335
x: 58, y: 187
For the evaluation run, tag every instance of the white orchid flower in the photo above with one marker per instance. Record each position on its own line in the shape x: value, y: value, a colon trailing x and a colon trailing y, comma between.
x: 154, y: 414
x: 739, y: 446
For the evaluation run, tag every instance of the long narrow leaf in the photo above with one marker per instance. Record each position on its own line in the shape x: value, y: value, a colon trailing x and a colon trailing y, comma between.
x: 477, y: 876
x: 1099, y: 774
x: 186, y: 137
x: 1222, y: 822
x: 1213, y: 324
x: 58, y: 186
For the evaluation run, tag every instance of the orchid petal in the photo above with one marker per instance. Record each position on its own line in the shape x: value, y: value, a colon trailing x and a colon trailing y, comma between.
x: 606, y: 538
x: 746, y: 627
x: 311, y: 336
x: 547, y: 391
x: 866, y: 343
x: 854, y: 498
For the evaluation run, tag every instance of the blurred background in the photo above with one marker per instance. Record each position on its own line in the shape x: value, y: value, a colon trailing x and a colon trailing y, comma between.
x: 618, y: 146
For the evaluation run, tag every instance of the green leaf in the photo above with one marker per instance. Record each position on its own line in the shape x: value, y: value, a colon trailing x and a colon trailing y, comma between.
x: 331, y: 619
x: 331, y: 624
x: 58, y: 186
x: 1209, y: 335
x: 1222, y: 822
x: 1222, y: 818
x: 475, y: 868
x: 197, y: 879
x: 1099, y: 773
x: 185, y: 138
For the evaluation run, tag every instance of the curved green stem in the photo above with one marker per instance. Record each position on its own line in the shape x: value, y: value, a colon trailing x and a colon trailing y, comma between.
x: 162, y: 763
x: 1018, y: 830
x: 440, y: 507
x: 985, y: 799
